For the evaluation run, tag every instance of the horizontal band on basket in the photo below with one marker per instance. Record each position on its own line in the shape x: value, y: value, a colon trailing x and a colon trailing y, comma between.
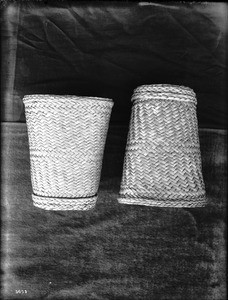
x: 164, y: 97
x: 164, y: 88
x: 198, y: 202
x: 163, y: 92
x: 53, y: 203
x: 47, y: 97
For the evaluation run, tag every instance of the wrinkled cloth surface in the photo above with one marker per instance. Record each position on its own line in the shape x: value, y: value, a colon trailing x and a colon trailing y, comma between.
x: 107, y: 49
x: 113, y: 251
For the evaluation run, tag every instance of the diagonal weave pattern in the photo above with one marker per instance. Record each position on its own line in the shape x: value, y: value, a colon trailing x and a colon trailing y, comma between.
x: 67, y: 136
x: 162, y: 165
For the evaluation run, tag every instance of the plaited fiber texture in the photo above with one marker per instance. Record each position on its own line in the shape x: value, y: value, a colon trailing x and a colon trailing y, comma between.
x: 67, y: 136
x: 162, y: 165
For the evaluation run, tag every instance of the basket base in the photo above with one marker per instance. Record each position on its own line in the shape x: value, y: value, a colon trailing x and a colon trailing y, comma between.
x: 49, y: 203
x: 200, y: 202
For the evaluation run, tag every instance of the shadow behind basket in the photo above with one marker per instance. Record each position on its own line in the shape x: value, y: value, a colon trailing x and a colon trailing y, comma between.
x: 162, y: 165
x: 67, y: 136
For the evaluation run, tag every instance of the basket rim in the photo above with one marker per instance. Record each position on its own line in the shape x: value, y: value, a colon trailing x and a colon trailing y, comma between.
x: 30, y: 97
x: 147, y: 92
x: 165, y: 85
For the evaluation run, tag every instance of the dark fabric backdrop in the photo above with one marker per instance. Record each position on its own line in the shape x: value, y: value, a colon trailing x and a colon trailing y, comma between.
x: 108, y: 48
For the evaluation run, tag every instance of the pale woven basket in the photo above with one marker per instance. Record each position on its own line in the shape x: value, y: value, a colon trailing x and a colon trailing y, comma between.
x: 67, y: 136
x: 162, y: 165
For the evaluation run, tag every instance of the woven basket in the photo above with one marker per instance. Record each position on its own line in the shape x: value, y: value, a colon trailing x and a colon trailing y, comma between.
x: 162, y: 165
x: 66, y: 140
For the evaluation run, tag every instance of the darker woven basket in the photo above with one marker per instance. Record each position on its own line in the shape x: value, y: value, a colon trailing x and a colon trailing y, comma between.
x: 66, y: 140
x: 162, y: 165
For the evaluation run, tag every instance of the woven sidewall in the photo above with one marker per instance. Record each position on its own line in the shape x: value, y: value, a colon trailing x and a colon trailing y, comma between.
x: 162, y: 165
x: 67, y: 136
